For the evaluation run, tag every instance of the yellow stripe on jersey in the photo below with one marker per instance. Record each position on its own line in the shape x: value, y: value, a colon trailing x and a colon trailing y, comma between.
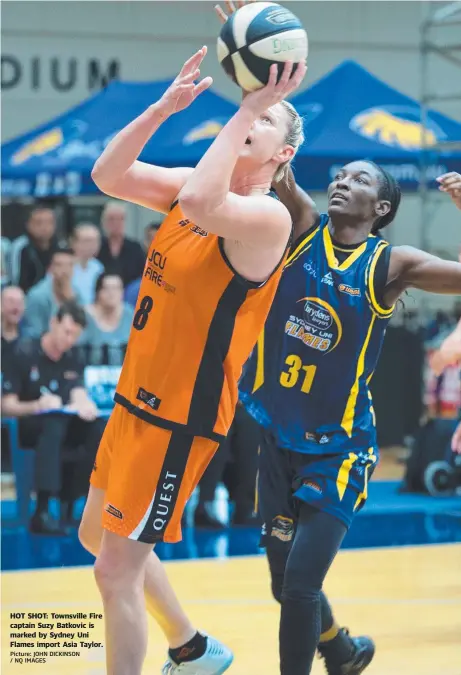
x: 259, y: 376
x: 300, y: 249
x: 383, y: 312
x: 343, y: 474
x: 330, y: 253
x: 349, y: 414
x: 372, y: 410
x: 364, y: 495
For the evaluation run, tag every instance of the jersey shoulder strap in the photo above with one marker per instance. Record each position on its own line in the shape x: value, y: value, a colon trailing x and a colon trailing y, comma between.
x: 376, y: 279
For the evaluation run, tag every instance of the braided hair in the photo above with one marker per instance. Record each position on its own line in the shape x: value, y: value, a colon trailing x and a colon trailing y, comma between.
x: 389, y: 190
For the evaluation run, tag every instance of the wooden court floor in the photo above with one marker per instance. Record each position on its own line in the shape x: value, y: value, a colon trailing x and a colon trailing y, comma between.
x: 408, y: 599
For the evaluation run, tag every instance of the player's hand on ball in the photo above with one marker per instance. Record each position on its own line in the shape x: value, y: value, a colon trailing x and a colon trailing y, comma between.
x: 231, y: 8
x: 451, y: 183
x: 260, y: 100
x: 184, y: 90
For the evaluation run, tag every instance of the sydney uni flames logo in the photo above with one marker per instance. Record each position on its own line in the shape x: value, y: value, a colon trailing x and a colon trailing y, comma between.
x: 395, y: 127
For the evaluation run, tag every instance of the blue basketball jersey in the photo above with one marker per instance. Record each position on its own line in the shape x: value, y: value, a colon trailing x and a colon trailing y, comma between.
x: 307, y: 379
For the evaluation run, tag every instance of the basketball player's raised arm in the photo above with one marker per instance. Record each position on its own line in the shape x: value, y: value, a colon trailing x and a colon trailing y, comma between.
x: 302, y: 208
x: 412, y: 268
x: 206, y: 197
x: 119, y: 173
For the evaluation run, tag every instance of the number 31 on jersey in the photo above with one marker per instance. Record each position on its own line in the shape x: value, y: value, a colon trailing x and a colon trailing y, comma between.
x: 290, y: 377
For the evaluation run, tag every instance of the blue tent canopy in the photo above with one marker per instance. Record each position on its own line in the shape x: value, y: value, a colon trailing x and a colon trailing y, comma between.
x: 56, y: 158
x: 350, y: 114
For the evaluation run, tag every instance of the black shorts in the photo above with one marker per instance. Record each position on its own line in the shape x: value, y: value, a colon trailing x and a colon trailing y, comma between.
x: 334, y: 483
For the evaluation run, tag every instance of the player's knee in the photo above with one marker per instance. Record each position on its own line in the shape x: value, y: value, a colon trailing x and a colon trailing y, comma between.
x: 107, y: 576
x: 299, y: 589
x: 300, y: 582
x: 89, y: 537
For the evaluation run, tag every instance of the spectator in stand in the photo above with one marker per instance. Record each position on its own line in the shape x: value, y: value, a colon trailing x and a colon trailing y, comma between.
x: 86, y: 243
x: 118, y: 254
x: 132, y: 290
x: 44, y: 299
x: 43, y: 376
x: 109, y: 322
x: 13, y: 305
x: 30, y: 255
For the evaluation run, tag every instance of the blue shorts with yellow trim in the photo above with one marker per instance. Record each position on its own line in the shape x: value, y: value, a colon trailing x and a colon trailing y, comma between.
x: 334, y: 483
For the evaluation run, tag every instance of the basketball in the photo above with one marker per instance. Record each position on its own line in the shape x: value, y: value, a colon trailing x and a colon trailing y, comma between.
x: 256, y: 36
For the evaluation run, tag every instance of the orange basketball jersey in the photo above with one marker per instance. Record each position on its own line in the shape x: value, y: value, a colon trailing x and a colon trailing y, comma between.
x: 195, y: 324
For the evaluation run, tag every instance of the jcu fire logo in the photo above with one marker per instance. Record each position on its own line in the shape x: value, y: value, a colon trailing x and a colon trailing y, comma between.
x: 396, y: 126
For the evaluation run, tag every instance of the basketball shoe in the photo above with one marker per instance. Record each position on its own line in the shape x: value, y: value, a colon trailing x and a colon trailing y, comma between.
x: 215, y: 661
x: 362, y: 655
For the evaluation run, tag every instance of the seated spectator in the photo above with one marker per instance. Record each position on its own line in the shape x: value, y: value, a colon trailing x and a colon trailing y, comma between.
x: 118, y: 254
x: 44, y: 299
x: 132, y: 290
x: 86, y: 242
x: 12, y: 312
x: 43, y: 376
x: 109, y: 321
x: 31, y: 254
